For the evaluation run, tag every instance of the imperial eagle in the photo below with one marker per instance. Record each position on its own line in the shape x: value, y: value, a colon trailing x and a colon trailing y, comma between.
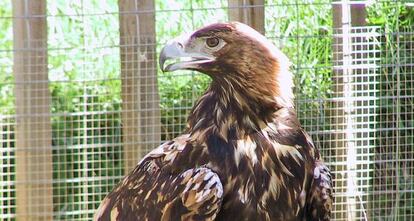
x: 243, y: 154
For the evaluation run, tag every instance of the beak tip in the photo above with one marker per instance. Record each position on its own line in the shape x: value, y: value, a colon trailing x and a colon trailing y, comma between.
x: 165, y: 55
x: 161, y: 62
x: 173, y: 49
x: 161, y: 67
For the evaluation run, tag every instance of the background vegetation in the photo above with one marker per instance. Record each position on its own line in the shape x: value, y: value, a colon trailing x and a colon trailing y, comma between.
x: 84, y: 70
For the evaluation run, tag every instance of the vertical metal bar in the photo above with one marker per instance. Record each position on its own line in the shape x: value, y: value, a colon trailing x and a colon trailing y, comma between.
x: 342, y: 114
x: 84, y: 154
x: 398, y: 119
x: 351, y: 157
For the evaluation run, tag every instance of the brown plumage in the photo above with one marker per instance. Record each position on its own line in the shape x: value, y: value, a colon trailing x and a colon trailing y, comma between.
x: 244, y: 154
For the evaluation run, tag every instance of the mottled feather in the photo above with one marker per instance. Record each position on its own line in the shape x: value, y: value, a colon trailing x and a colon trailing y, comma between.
x: 243, y: 155
x: 153, y: 191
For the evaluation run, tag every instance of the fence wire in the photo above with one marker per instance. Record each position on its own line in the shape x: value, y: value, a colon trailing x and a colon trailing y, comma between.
x: 107, y: 104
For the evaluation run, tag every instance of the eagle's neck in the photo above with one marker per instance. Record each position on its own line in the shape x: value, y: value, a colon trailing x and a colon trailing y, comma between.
x: 232, y: 109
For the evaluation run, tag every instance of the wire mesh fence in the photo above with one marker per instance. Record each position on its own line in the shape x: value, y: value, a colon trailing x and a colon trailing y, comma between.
x: 81, y: 104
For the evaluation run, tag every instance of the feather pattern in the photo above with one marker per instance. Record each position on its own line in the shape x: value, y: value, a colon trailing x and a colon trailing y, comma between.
x: 243, y: 155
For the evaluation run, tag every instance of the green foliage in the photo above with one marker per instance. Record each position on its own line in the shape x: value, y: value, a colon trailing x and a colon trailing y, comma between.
x: 394, y: 147
x: 178, y: 91
x: 86, y: 103
x: 84, y: 70
x: 391, y: 15
x: 6, y: 60
x: 7, y: 162
x: 303, y: 30
x: 177, y: 97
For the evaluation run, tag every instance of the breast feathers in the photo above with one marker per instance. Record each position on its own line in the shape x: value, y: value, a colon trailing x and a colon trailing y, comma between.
x: 243, y: 155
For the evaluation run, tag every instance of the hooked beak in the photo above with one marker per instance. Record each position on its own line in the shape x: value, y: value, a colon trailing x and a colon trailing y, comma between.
x: 183, y: 58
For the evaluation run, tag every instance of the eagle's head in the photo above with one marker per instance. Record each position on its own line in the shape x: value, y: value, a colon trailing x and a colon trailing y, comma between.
x: 236, y: 53
x: 249, y: 74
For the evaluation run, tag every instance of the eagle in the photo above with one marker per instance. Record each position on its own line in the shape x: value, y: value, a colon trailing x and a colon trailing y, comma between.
x: 243, y: 155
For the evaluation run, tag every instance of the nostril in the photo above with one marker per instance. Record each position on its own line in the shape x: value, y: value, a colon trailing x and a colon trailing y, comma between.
x: 180, y: 45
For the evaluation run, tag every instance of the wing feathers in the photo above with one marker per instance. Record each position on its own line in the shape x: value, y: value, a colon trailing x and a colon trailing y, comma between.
x: 153, y: 192
x: 200, y: 199
x: 320, y: 198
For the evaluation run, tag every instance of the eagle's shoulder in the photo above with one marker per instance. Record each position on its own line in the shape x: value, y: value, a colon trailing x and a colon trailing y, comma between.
x: 138, y: 181
x: 319, y: 197
x: 286, y: 129
x: 168, y: 151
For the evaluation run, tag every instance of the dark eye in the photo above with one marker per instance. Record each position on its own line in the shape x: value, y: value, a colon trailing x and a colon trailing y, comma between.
x: 212, y: 42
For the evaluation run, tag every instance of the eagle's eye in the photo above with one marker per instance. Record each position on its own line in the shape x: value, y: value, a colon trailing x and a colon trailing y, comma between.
x: 212, y: 42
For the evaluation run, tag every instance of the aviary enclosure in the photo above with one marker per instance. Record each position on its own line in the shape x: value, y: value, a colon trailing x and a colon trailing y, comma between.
x: 82, y: 99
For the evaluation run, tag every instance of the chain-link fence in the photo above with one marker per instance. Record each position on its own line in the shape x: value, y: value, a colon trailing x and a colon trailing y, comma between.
x: 82, y: 98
